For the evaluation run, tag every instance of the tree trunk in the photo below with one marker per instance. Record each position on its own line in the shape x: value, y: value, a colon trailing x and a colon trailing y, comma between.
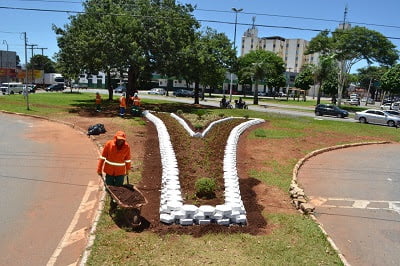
x: 255, y: 97
x: 196, y: 92
x: 108, y: 85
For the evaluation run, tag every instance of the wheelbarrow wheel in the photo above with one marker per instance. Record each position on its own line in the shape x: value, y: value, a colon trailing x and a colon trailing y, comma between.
x: 132, y: 217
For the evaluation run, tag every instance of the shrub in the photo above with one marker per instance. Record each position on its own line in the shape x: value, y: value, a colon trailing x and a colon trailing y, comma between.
x: 205, y: 188
x: 179, y: 112
x: 200, y: 113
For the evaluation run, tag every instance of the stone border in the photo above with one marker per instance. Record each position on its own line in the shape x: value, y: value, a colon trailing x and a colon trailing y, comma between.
x: 172, y: 207
x: 99, y: 211
x: 300, y: 200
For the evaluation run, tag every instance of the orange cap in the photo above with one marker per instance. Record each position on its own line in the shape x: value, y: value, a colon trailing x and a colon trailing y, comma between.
x: 120, y: 135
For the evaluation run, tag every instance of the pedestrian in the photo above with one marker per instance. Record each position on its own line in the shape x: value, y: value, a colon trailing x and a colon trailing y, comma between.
x: 115, y: 160
x: 98, y: 102
x: 122, y: 105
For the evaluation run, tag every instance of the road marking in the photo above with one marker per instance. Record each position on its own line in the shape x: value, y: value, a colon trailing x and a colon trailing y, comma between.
x: 349, y: 203
x: 70, y: 236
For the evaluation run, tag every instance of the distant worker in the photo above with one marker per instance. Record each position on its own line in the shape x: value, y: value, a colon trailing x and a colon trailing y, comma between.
x: 98, y: 102
x: 115, y: 160
x: 122, y: 105
x: 136, y: 100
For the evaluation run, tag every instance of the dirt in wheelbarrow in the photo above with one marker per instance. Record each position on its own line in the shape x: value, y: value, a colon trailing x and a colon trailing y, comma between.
x: 252, y: 153
x: 128, y: 197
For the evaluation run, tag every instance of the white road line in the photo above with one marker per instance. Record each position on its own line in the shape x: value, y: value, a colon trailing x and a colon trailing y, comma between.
x: 66, y: 239
x: 354, y: 203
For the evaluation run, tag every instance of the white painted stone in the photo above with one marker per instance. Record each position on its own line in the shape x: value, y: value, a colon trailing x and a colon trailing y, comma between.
x: 190, y: 209
x: 178, y: 214
x: 205, y: 221
x: 207, y: 210
x: 217, y: 216
x: 186, y: 221
x: 174, y: 205
x: 166, y: 218
x: 223, y: 221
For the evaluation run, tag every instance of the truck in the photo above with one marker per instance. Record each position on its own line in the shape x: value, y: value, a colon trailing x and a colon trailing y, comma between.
x: 49, y: 79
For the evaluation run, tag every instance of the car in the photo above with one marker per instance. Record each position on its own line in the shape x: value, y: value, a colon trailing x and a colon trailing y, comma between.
x: 56, y: 87
x: 261, y: 93
x: 368, y: 100
x: 386, y: 106
x: 353, y: 101
x: 393, y: 112
x: 330, y: 109
x: 120, y: 89
x: 378, y: 117
x: 156, y: 91
x: 31, y: 88
x: 354, y: 96
x: 395, y: 106
x: 183, y: 93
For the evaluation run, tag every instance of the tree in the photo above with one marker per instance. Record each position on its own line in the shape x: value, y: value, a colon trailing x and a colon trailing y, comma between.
x: 350, y: 46
x: 41, y: 62
x: 120, y: 36
x: 305, y: 78
x: 207, y: 59
x: 391, y: 80
x: 369, y: 78
x: 261, y: 65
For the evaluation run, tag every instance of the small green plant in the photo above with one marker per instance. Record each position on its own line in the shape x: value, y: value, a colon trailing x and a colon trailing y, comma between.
x: 246, y: 116
x: 221, y: 115
x: 260, y: 133
x: 198, y: 126
x: 156, y: 109
x: 200, y: 113
x: 205, y: 188
x: 179, y: 112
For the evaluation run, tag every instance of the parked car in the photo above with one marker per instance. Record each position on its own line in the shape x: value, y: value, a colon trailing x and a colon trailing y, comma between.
x: 261, y: 93
x: 386, y: 106
x: 157, y: 91
x: 120, y: 89
x: 353, y: 101
x: 395, y: 106
x: 56, y: 87
x: 393, y: 112
x: 378, y: 117
x: 368, y: 100
x: 330, y: 109
x: 183, y: 93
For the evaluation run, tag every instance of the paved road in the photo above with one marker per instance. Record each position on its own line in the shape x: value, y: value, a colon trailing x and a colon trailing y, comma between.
x: 357, y: 196
x: 48, y: 194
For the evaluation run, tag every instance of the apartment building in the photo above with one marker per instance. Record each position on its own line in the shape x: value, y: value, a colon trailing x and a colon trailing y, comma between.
x: 292, y: 51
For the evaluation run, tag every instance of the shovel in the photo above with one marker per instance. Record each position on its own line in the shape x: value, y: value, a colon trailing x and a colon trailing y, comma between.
x: 128, y: 185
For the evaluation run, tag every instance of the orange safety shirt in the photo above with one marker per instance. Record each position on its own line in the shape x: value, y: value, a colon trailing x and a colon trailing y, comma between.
x: 136, y: 101
x: 98, y: 99
x: 122, y: 101
x: 115, y: 161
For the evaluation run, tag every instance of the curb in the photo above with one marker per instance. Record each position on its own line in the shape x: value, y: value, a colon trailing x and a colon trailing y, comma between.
x: 300, y: 200
x: 92, y: 236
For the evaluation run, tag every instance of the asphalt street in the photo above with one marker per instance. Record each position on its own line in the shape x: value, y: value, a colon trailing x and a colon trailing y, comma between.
x: 356, y: 192
x: 49, y: 191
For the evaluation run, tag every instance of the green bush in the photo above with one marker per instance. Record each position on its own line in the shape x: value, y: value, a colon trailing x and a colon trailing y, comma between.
x: 205, y: 188
x: 179, y: 112
x: 200, y: 113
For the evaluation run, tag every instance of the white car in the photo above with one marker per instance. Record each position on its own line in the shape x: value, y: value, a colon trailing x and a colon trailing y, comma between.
x: 386, y: 106
x: 378, y: 117
x: 353, y: 101
x: 157, y: 91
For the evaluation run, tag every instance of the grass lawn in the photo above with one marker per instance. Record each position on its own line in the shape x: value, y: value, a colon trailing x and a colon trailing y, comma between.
x: 295, y: 239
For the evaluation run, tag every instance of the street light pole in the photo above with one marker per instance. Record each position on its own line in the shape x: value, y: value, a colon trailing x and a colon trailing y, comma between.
x: 7, y: 64
x: 236, y: 10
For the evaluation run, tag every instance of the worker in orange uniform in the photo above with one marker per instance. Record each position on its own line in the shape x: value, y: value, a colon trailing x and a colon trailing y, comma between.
x: 122, y: 105
x: 98, y: 101
x: 115, y: 160
x: 136, y: 100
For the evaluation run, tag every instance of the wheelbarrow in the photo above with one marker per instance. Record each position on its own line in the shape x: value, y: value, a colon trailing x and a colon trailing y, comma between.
x: 136, y: 111
x: 129, y: 199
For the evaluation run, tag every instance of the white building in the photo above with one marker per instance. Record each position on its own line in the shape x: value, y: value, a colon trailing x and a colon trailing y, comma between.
x: 292, y: 51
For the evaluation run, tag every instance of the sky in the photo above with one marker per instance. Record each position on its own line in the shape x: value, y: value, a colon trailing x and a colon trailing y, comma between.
x: 288, y: 19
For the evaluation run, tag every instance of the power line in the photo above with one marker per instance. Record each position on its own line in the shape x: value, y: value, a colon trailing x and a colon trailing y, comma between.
x: 209, y: 21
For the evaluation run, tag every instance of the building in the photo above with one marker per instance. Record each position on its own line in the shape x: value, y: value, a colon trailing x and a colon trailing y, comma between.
x: 292, y: 51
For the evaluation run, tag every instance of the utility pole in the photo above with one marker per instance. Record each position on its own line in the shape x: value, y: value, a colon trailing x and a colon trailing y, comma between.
x: 236, y: 10
x: 26, y: 73
x: 31, y: 47
x: 40, y: 48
